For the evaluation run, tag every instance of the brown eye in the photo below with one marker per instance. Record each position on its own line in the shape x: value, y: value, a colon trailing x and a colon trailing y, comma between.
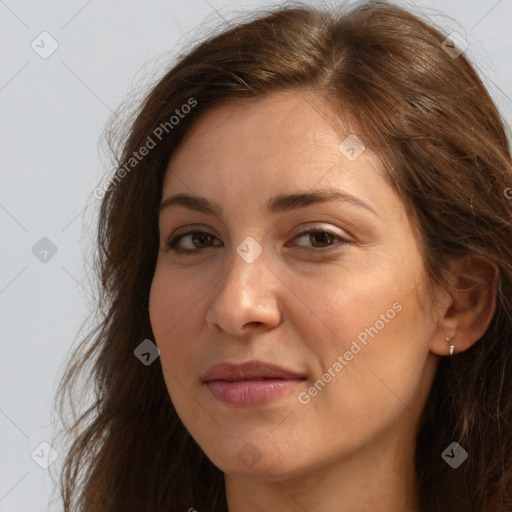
x: 322, y: 239
x: 199, y: 240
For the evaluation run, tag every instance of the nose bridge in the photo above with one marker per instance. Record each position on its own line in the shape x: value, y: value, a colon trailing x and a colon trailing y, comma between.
x: 246, y: 293
x: 247, y: 266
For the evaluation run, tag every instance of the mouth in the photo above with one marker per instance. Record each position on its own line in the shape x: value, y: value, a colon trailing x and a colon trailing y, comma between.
x: 250, y: 384
x: 250, y: 392
x: 251, y: 370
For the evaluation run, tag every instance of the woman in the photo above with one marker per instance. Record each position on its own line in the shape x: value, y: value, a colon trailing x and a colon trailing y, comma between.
x: 306, y: 278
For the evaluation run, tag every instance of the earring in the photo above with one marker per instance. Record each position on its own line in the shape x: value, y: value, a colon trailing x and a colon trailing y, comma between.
x: 452, y: 347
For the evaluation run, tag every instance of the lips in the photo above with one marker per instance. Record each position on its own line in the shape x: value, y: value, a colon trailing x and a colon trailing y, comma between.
x: 250, y: 384
x: 252, y: 370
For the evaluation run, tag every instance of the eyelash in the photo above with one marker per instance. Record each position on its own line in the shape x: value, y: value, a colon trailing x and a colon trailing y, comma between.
x: 173, y: 243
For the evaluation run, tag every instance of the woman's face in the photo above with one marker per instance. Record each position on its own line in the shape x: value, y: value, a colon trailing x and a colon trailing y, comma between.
x: 344, y: 310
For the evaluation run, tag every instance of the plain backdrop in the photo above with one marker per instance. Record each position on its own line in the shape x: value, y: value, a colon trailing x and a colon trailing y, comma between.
x: 54, y: 109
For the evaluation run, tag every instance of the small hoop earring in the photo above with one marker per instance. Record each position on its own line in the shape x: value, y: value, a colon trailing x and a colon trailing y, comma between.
x: 452, y: 347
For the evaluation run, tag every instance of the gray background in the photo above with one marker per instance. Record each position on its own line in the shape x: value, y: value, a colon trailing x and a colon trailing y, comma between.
x: 53, y: 112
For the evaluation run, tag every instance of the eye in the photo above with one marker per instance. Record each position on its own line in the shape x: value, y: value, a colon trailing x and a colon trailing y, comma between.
x: 321, y: 240
x: 198, y: 238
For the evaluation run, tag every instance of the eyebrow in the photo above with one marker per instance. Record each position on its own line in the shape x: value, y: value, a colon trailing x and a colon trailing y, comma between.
x: 277, y: 204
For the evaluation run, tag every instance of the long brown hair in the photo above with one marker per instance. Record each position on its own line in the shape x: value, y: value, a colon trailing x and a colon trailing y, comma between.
x: 428, y: 116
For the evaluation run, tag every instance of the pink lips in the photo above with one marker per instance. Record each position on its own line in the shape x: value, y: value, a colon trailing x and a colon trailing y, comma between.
x: 251, y: 383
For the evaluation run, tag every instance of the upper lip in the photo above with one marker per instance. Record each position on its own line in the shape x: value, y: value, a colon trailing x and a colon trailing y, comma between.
x: 248, y: 371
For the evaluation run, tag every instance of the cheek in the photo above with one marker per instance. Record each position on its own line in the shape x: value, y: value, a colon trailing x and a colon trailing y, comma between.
x: 382, y: 371
x: 373, y: 320
x: 173, y: 299
x: 172, y: 312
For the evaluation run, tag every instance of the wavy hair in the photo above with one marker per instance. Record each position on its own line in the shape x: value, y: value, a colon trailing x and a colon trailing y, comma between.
x: 428, y: 116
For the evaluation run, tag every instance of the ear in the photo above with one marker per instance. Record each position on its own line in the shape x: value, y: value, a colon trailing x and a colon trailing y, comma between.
x: 465, y: 315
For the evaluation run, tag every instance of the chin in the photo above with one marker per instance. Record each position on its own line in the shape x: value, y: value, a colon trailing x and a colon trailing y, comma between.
x: 260, y: 465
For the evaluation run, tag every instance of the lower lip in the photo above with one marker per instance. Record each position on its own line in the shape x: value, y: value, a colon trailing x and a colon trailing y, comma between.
x: 250, y: 392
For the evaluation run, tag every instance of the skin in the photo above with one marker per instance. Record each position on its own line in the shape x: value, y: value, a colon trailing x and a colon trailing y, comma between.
x: 300, y: 307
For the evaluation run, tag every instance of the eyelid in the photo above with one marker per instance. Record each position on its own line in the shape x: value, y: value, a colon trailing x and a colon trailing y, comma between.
x: 310, y: 226
x: 193, y: 227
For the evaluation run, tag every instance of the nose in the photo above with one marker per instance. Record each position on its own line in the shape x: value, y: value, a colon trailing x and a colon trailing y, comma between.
x: 245, y: 298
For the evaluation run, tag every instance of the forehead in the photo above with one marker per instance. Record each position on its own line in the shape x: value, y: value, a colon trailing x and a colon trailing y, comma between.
x: 248, y: 150
x: 277, y: 115
x: 282, y: 129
